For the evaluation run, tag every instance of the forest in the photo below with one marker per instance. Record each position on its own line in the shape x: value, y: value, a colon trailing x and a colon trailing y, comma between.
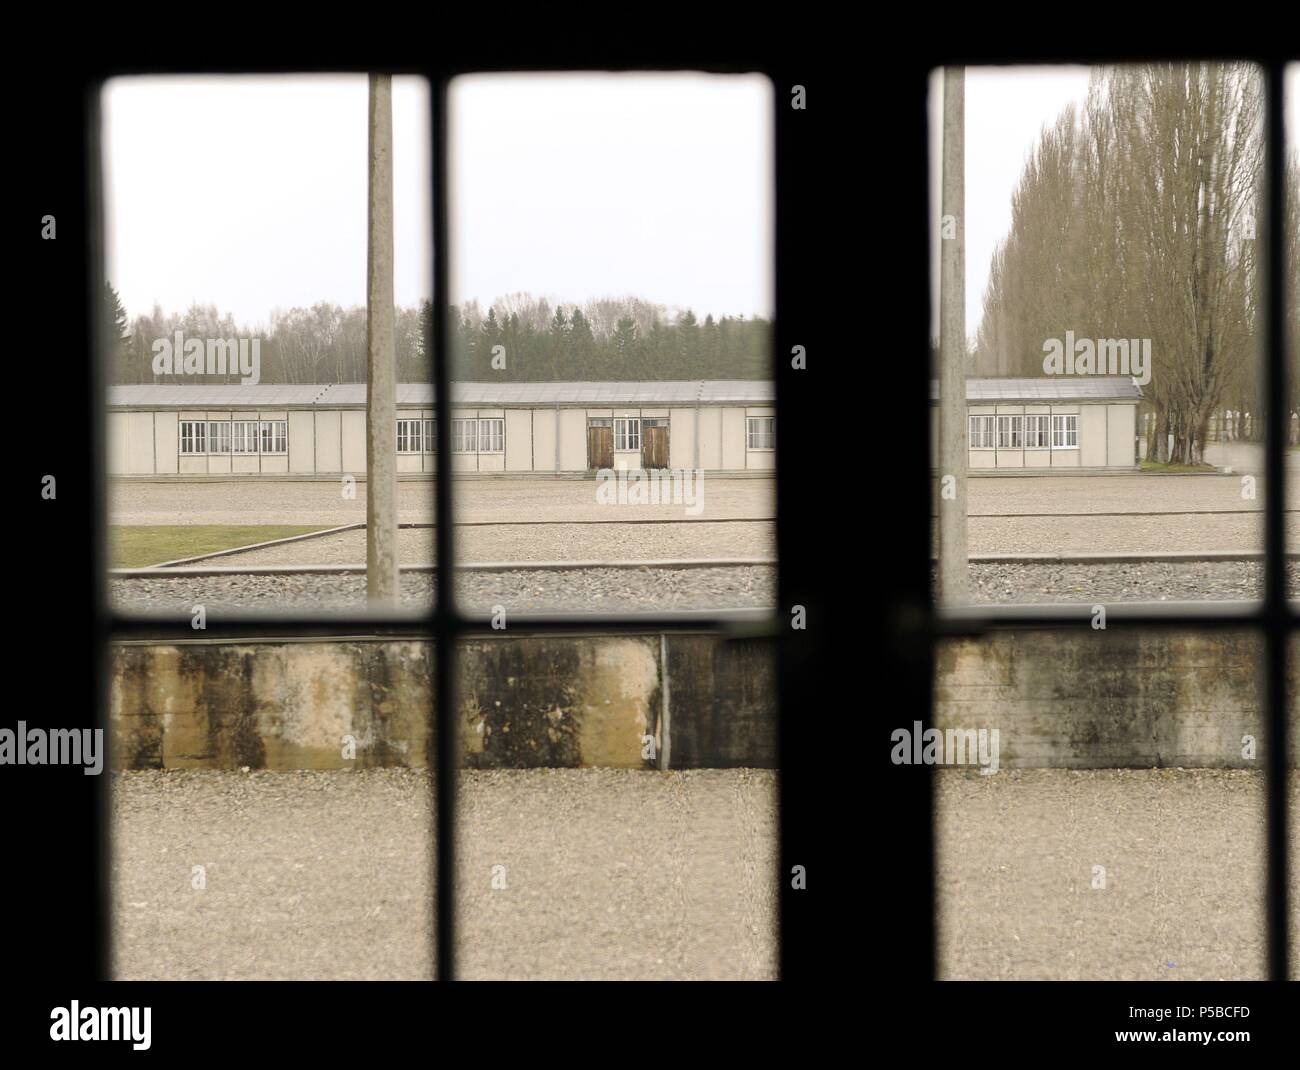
x: 519, y: 338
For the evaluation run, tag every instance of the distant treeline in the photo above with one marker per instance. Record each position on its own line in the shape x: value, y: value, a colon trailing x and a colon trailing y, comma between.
x: 519, y: 338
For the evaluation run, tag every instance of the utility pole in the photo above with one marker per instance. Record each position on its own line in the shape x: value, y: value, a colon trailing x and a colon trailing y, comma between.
x: 381, y: 391
x: 953, y: 580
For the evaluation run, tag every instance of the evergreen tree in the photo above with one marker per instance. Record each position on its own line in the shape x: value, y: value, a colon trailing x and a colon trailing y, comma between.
x: 582, y: 349
x: 117, y: 333
x: 558, y: 347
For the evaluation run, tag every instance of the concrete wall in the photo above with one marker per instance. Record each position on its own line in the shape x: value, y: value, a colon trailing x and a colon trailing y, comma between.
x: 527, y: 701
x: 1108, y: 699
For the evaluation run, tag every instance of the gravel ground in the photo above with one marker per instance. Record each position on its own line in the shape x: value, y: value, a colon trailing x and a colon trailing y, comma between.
x: 571, y: 590
x: 1119, y: 493
x: 1148, y: 581
x: 1183, y: 852
x: 560, y: 542
x: 1123, y: 494
x: 328, y: 875
x: 321, y: 502
x: 1242, y: 533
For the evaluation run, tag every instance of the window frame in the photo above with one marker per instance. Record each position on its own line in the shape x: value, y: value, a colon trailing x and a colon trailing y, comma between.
x: 1043, y: 435
x: 496, y: 430
x: 196, y: 438
x: 750, y: 434
x: 247, y: 429
x: 276, y: 437
x: 631, y: 429
x: 1067, y: 430
x: 223, y: 429
x: 404, y: 436
x: 987, y: 437
x: 1015, y: 424
x: 459, y: 424
x: 1273, y: 617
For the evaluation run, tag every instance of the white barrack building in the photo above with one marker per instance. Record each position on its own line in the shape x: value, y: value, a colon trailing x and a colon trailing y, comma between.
x: 180, y: 430
x: 1053, y: 422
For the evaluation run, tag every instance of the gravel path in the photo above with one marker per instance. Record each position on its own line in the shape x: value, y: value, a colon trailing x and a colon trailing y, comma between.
x: 1120, y: 493
x: 649, y: 542
x: 571, y: 590
x: 321, y: 502
x: 1242, y: 533
x: 1220, y: 530
x: 1148, y: 581
x: 1183, y: 853
x: 328, y: 875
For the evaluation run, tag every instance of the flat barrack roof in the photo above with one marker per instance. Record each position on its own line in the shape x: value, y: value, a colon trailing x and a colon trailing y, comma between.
x: 291, y: 395
x: 1050, y: 388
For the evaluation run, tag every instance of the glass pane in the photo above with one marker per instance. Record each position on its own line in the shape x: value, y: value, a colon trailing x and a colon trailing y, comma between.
x: 628, y: 280
x: 1099, y: 805
x: 568, y: 744
x: 272, y: 813
x: 249, y: 362
x: 1060, y: 281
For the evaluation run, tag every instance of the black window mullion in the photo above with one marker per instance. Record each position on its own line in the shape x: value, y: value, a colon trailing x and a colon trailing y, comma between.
x: 1276, y: 609
x: 446, y: 625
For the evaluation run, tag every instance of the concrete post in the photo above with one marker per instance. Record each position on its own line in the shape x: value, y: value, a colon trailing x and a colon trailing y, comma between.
x: 381, y: 393
x: 953, y: 581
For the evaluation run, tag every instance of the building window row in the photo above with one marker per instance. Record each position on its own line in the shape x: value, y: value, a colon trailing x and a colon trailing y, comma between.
x: 487, y: 435
x: 469, y: 435
x: 223, y: 437
x: 1058, y: 432
x: 416, y: 436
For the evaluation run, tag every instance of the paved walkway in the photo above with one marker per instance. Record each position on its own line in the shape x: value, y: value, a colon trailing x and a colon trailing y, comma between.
x: 1183, y: 858
x: 603, y: 873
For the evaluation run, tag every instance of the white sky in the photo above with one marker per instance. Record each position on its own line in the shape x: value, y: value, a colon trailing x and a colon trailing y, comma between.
x: 580, y: 186
x: 250, y: 192
x: 1006, y: 111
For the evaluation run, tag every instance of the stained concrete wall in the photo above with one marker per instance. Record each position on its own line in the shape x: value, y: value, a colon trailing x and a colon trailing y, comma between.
x: 1117, y: 698
x: 525, y: 701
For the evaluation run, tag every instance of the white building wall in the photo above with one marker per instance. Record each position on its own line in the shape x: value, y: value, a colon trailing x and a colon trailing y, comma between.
x: 519, y: 440
x: 1121, y: 446
x: 302, y: 442
x: 139, y: 442
x: 117, y: 462
x: 329, y: 443
x: 1092, y: 436
x: 573, y: 440
x: 544, y: 440
x: 167, y: 430
x: 681, y: 438
x: 352, y: 428
x: 333, y: 441
x: 733, y: 438
x: 710, y: 437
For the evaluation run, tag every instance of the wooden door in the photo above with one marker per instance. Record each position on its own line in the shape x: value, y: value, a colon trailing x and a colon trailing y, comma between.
x: 655, y: 452
x: 600, y: 447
